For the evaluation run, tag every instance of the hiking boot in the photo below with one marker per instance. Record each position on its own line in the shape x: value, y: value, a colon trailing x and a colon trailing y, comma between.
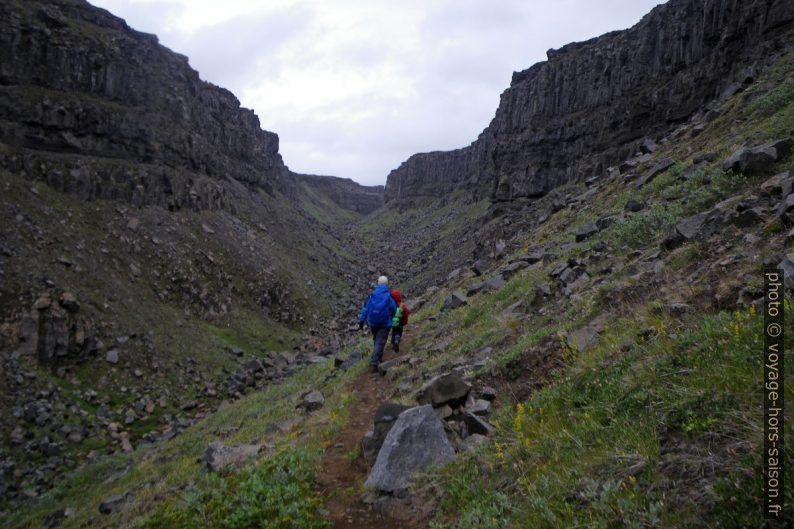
x: 373, y: 368
x: 395, y: 347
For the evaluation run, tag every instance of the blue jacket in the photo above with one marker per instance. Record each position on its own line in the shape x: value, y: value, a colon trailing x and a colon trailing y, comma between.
x: 380, y: 308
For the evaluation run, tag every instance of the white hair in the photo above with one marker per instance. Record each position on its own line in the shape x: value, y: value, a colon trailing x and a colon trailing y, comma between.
x: 383, y: 280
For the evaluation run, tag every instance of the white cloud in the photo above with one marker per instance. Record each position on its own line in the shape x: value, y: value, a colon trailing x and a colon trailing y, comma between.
x: 352, y: 87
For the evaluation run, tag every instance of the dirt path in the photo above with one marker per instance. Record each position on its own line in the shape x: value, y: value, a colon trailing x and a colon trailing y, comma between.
x: 340, y: 479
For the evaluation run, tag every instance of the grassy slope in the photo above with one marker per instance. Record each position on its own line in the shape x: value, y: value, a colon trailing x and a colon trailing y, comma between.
x: 249, y: 251
x: 660, y: 423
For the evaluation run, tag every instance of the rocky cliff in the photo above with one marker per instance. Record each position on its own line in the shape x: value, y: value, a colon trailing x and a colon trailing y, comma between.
x: 344, y: 192
x: 591, y: 103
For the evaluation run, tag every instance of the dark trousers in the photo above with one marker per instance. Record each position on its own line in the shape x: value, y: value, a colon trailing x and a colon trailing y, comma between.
x: 396, y: 335
x: 379, y: 336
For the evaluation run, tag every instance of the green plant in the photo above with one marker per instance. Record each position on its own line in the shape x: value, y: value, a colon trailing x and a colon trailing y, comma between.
x: 274, y: 494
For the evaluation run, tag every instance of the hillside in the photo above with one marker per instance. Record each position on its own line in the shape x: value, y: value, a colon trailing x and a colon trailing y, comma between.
x: 178, y: 345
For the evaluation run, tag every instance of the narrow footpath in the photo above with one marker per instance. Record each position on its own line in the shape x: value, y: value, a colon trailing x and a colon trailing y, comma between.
x: 340, y: 478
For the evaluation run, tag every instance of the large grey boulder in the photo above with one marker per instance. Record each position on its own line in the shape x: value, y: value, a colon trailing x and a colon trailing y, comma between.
x: 416, y: 442
x: 655, y: 171
x: 444, y: 389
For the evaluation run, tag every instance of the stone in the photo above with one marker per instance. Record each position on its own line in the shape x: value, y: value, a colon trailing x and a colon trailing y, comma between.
x: 487, y: 393
x: 785, y: 210
x: 513, y: 308
x: 513, y: 268
x: 499, y: 248
x: 69, y: 302
x: 585, y: 231
x: 444, y: 412
x: 115, y: 503
x: 787, y: 265
x: 776, y: 185
x: 415, y: 443
x: 112, y: 356
x: 312, y: 401
x: 133, y: 224
x: 480, y: 407
x: 384, y: 367
x: 606, y: 221
x: 218, y: 456
x: 648, y: 146
x: 757, y: 160
x: 254, y: 365
x: 479, y: 266
x: 449, y: 388
x: 655, y: 171
x: 534, y: 254
x: 542, y: 291
x: 456, y: 300
x: 582, y: 339
x: 472, y: 442
x: 477, y: 425
x: 43, y: 302
x: 693, y: 226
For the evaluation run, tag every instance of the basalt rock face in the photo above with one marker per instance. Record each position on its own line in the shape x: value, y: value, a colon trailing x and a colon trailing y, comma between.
x: 345, y: 192
x: 104, y: 111
x: 592, y: 103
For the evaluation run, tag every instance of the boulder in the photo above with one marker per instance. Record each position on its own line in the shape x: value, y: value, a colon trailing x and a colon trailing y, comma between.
x: 534, y: 254
x: 512, y: 269
x: 456, y: 300
x: 416, y: 442
x: 585, y: 231
x: 312, y: 401
x: 785, y: 210
x: 476, y: 425
x: 758, y: 160
x: 648, y: 146
x: 472, y: 442
x: 582, y: 339
x: 655, y: 171
x: 218, y: 456
x: 449, y: 388
x: 480, y: 407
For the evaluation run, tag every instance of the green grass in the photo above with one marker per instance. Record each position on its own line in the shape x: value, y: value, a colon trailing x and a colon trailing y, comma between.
x: 588, y: 449
x: 274, y: 494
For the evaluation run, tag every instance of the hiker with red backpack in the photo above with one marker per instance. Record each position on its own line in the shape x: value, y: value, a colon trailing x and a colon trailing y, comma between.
x: 399, y: 320
x: 378, y: 313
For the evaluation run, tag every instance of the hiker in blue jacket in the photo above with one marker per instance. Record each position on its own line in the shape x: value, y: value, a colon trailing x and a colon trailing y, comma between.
x: 378, y: 313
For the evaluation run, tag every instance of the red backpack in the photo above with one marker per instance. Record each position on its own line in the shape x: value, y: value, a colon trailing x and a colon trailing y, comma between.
x: 398, y: 298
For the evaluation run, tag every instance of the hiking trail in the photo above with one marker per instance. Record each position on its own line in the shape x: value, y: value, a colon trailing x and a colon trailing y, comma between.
x: 341, y: 479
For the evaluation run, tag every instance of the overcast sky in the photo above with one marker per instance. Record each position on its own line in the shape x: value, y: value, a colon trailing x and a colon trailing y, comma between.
x: 354, y: 87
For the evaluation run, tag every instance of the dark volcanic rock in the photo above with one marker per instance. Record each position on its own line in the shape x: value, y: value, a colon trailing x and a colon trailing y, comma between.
x: 116, y: 93
x: 445, y: 389
x: 590, y: 105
